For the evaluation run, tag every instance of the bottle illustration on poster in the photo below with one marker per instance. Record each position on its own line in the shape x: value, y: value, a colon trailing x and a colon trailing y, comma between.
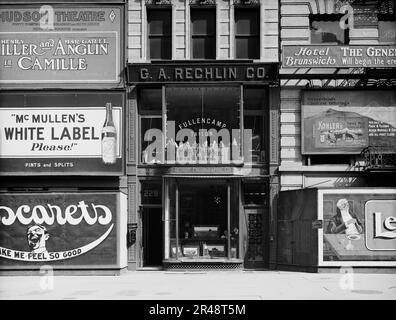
x: 109, y: 137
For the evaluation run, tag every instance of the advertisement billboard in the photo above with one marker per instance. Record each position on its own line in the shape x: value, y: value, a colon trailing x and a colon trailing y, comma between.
x: 359, y: 227
x: 333, y: 56
x: 62, y: 140
x: 58, y: 45
x: 70, y: 230
x: 347, y: 121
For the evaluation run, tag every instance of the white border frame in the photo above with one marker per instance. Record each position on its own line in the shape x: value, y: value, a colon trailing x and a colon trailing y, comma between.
x: 353, y: 263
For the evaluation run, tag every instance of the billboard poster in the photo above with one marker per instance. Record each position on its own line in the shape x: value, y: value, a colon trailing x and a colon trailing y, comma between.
x: 333, y: 56
x: 59, y: 229
x: 358, y: 225
x: 60, y: 45
x: 69, y: 140
x: 345, y: 122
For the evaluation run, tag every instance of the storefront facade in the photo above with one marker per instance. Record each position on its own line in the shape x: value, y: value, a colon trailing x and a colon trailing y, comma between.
x: 62, y: 119
x: 337, y: 134
x: 202, y: 134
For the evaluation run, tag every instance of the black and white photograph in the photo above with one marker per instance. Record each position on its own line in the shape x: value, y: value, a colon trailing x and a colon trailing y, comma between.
x: 197, y: 158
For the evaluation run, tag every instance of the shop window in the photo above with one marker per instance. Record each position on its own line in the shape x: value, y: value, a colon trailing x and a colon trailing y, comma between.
x: 206, y: 123
x: 150, y: 111
x: 152, y: 148
x: 150, y: 101
x: 387, y: 28
x: 205, y: 221
x: 247, y: 33
x: 254, y: 103
x: 159, y: 33
x: 203, y: 33
x: 325, y: 28
x: 254, y: 193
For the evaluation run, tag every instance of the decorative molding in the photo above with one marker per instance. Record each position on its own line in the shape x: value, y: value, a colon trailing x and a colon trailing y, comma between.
x: 158, y: 2
x: 384, y: 7
x: 252, y: 3
x: 202, y: 2
x: 132, y: 203
x: 132, y: 132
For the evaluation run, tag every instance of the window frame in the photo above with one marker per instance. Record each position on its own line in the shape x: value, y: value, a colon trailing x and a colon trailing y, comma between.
x: 213, y: 35
x: 141, y: 138
x: 231, y: 187
x: 386, y: 18
x: 147, y: 114
x: 243, y: 111
x: 263, y: 112
x: 247, y: 36
x: 162, y: 36
x: 333, y: 17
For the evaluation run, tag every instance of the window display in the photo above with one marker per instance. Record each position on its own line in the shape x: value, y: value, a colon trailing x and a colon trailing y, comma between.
x: 206, y: 123
x: 203, y: 124
x: 204, y: 212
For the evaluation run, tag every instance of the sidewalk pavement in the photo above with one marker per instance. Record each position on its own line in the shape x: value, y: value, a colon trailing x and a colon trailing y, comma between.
x: 205, y: 285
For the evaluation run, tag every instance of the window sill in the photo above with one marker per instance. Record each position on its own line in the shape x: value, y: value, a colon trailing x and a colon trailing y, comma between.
x: 203, y: 260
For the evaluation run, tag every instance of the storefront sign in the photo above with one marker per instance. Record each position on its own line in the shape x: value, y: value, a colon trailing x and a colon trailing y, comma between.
x: 62, y: 140
x: 330, y: 56
x: 345, y: 122
x: 359, y: 225
x: 67, y: 229
x: 230, y: 72
x: 60, y: 45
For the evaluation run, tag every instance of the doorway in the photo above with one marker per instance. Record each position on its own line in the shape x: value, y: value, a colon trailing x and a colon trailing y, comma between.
x: 152, y: 237
x: 202, y: 219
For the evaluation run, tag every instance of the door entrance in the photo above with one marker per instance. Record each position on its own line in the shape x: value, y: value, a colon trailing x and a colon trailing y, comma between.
x: 152, y: 237
x: 202, y: 220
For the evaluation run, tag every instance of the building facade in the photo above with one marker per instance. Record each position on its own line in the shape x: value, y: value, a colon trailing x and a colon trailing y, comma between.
x: 211, y: 134
x: 62, y: 109
x: 337, y: 133
x: 202, y: 152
